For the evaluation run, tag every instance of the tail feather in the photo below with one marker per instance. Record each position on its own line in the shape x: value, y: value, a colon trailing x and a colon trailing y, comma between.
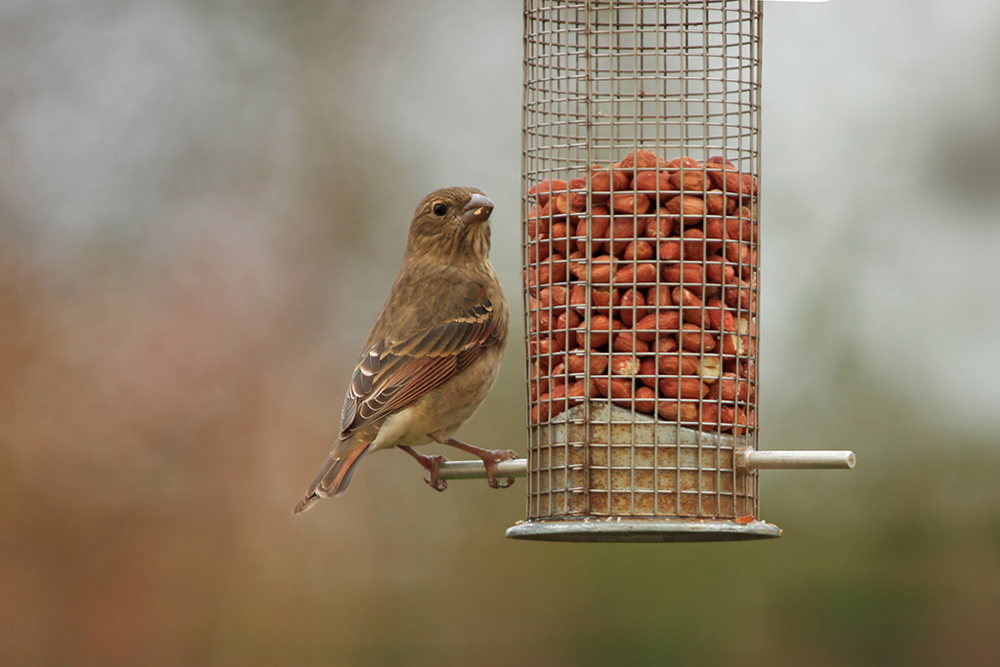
x: 333, y: 478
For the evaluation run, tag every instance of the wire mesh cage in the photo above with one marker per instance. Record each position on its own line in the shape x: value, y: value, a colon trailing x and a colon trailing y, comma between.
x: 640, y: 194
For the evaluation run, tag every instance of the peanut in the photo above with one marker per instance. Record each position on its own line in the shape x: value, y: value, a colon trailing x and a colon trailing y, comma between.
x: 576, y: 362
x: 647, y: 372
x: 687, y: 180
x: 667, y: 344
x: 633, y: 274
x: 693, y: 339
x: 692, y: 275
x: 657, y: 278
x: 645, y: 399
x: 690, y: 305
x: 539, y: 382
x: 630, y: 202
x: 538, y: 252
x: 638, y: 250
x: 572, y: 202
x: 737, y: 253
x: 709, y: 368
x: 670, y: 250
x: 561, y: 397
x: 605, y: 181
x: 546, y: 186
x: 542, y: 345
x: 552, y: 270
x: 685, y: 387
x: 579, y: 297
x: 719, y: 318
x: 658, y: 225
x: 600, y: 222
x: 540, y: 320
x: 614, y: 387
x: 688, y: 208
x: 682, y: 411
x: 717, y: 203
x: 723, y: 176
x: 659, y: 296
x: 726, y: 177
x: 732, y: 345
x: 652, y: 182
x: 631, y: 307
x: 740, y: 297
x: 603, y: 299
x: 694, y: 244
x: 643, y: 159
x: 625, y: 341
x: 624, y: 364
x: 678, y: 364
x: 600, y: 269
x: 567, y: 321
x: 732, y: 229
x: 553, y: 298
x: 538, y: 223
x: 709, y: 416
x: 687, y: 163
x: 718, y: 272
x: 664, y: 322
x: 622, y: 234
x: 560, y: 237
x: 601, y: 327
x: 582, y: 389
x: 730, y: 388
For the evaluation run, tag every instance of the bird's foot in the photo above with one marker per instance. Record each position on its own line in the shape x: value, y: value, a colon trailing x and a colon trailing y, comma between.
x: 431, y: 464
x: 490, y: 459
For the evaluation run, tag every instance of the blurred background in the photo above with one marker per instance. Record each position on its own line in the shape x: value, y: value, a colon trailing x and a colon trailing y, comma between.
x: 202, y: 208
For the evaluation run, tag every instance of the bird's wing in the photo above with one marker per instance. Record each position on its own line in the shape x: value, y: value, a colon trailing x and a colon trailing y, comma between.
x: 393, y: 373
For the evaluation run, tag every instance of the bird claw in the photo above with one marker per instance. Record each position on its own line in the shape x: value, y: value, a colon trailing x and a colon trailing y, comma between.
x: 490, y: 459
x: 432, y: 464
x: 432, y: 469
x: 495, y: 484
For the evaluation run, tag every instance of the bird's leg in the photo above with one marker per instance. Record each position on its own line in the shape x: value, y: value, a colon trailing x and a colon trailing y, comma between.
x: 490, y: 459
x: 430, y: 463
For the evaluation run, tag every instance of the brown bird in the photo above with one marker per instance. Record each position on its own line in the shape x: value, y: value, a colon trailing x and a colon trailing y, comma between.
x: 434, y: 350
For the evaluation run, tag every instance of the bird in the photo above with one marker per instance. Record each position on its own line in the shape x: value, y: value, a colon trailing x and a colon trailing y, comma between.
x: 434, y: 350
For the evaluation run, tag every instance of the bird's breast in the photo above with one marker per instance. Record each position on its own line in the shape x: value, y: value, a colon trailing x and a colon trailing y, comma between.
x: 444, y: 408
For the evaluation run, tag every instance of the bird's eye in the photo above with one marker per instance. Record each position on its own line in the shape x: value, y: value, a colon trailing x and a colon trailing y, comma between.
x: 440, y: 209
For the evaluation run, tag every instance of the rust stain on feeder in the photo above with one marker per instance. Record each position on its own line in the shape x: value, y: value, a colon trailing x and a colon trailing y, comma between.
x: 613, y: 462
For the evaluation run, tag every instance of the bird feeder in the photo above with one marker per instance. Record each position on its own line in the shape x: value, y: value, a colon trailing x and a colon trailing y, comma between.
x: 641, y: 193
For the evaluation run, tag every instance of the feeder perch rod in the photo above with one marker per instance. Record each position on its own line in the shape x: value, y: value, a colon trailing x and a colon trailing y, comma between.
x: 747, y: 459
x: 477, y: 469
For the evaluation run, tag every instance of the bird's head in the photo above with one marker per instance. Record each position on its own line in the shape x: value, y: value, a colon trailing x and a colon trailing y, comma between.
x: 452, y: 224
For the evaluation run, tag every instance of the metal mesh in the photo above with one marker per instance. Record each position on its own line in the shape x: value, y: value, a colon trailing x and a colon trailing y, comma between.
x: 640, y: 158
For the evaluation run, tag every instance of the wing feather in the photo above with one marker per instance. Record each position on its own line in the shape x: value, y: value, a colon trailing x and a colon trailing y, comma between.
x: 392, y: 374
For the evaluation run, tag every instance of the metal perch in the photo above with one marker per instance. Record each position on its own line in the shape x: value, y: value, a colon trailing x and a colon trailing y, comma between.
x: 747, y: 459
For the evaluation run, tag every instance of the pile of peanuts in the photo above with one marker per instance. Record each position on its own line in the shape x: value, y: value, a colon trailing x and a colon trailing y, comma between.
x: 655, y: 287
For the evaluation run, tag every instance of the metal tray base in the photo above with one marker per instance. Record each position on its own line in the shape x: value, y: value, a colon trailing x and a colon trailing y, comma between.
x: 592, y: 529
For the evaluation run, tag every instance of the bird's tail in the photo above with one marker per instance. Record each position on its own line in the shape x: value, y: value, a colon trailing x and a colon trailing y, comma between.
x: 333, y: 477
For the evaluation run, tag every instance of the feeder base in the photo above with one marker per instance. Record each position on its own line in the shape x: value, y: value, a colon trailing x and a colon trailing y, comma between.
x: 592, y: 529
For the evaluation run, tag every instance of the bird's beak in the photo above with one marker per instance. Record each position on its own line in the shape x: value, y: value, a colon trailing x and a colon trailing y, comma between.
x: 477, y: 209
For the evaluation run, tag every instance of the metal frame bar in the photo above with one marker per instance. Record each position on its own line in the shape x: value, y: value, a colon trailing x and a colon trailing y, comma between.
x: 747, y: 459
